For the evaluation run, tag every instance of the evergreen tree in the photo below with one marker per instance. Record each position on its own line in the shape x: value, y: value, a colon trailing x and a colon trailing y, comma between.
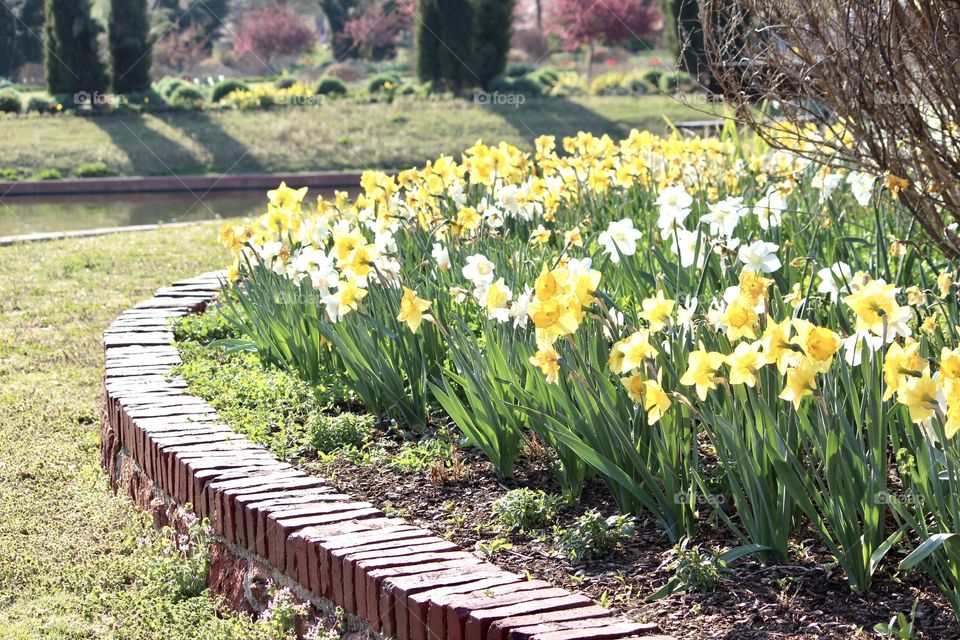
x: 129, y: 31
x: 72, y: 57
x: 444, y: 43
x: 30, y: 31
x: 493, y: 29
x: 684, y: 34
x: 9, y: 54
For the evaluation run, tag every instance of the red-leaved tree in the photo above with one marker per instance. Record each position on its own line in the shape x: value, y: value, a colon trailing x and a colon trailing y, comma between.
x: 376, y: 32
x: 584, y: 23
x: 271, y: 32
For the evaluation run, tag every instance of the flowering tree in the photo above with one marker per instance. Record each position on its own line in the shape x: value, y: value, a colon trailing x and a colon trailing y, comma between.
x: 273, y: 31
x: 584, y: 23
x: 376, y: 32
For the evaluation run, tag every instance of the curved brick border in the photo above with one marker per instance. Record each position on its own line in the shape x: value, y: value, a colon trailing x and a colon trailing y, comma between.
x: 164, y: 448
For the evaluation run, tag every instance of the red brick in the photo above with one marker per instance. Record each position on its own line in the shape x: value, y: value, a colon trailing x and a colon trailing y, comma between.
x: 475, y: 624
x: 410, y: 595
x: 438, y: 607
x: 335, y: 547
x: 279, y: 529
x: 611, y: 631
x: 521, y: 627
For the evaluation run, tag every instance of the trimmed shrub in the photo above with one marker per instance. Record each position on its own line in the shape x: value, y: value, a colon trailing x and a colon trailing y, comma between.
x: 516, y: 70
x: 652, y: 78
x: 670, y: 82
x: 331, y: 86
x: 187, y: 95
x: 285, y: 82
x: 10, y: 101
x: 49, y: 174
x: 169, y: 84
x: 547, y: 77
x: 225, y: 87
x: 95, y: 170
x: 377, y: 83
x: 524, y: 86
x: 39, y: 104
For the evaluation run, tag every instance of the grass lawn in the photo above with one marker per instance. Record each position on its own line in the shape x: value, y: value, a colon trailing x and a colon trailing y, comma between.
x: 340, y: 135
x: 76, y: 561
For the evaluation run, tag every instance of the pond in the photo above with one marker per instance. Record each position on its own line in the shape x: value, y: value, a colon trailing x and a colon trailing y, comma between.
x: 21, y: 215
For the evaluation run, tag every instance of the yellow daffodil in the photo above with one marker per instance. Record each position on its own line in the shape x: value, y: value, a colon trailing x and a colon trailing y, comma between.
x: 412, y: 309
x: 754, y: 288
x: 540, y: 235
x: 945, y: 283
x: 635, y: 349
x: 741, y: 320
x: 634, y: 386
x: 655, y: 401
x: 745, y: 361
x: 657, y: 310
x: 872, y: 303
x: 777, y: 347
x: 818, y: 343
x: 919, y: 395
x: 801, y: 382
x: 900, y: 361
x: 548, y: 361
x: 702, y: 367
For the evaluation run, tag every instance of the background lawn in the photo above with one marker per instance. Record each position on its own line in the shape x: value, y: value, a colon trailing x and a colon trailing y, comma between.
x: 75, y: 561
x: 338, y: 135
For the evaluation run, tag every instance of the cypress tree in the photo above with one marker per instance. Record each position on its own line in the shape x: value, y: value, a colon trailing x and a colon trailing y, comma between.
x: 72, y: 57
x: 493, y: 29
x: 427, y: 37
x: 30, y: 32
x: 129, y: 31
x: 444, y: 43
x: 9, y: 55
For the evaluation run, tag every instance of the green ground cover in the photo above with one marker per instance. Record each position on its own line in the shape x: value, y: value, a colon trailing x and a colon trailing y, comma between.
x: 76, y: 561
x: 332, y: 136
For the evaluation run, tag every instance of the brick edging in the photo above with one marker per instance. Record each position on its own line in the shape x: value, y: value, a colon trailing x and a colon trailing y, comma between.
x: 403, y: 580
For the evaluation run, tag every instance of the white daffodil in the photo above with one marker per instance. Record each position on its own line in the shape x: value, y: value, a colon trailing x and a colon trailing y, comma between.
x: 685, y: 244
x: 724, y: 216
x: 760, y: 257
x: 620, y: 238
x: 478, y: 270
x: 769, y: 208
x: 441, y: 256
x: 861, y: 186
x: 835, y: 280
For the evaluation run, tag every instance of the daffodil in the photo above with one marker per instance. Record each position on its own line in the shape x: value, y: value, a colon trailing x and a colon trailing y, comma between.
x: 655, y: 401
x: 741, y: 320
x: 634, y: 386
x: 548, y: 361
x: 777, y: 347
x: 801, y: 382
x: 635, y: 349
x: 702, y: 367
x: 497, y: 300
x: 745, y: 362
x: 412, y: 309
x: 657, y: 311
x: 919, y: 395
x: 873, y: 303
x: 898, y: 362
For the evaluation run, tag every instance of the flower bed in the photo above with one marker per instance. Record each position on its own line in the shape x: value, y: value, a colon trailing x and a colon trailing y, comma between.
x: 734, y: 344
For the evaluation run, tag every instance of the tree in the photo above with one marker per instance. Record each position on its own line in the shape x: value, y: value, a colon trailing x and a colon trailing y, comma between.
x: 30, y: 31
x: 338, y: 15
x: 9, y: 54
x: 492, y: 32
x: 72, y: 57
x: 272, y: 32
x: 584, y: 23
x: 683, y: 33
x: 444, y: 43
x: 865, y: 85
x: 375, y: 33
x: 130, y: 45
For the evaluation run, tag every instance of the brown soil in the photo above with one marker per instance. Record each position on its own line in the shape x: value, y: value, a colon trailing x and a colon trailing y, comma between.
x: 807, y: 599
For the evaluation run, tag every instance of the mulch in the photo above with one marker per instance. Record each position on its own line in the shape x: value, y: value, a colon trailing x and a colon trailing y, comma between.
x: 809, y: 598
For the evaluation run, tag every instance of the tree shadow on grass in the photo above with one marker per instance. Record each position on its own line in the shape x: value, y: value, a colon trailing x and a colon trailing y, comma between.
x: 150, y: 152
x: 557, y: 117
x: 227, y: 154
